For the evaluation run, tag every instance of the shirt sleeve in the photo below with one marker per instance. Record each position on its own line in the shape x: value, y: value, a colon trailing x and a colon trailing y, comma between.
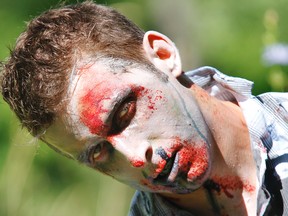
x: 220, y: 85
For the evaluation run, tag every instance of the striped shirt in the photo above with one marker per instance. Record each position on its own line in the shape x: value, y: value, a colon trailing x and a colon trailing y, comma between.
x: 267, y: 119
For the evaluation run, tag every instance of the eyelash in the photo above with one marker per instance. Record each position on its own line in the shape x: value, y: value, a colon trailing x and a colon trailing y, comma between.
x: 123, y: 116
x: 98, y: 153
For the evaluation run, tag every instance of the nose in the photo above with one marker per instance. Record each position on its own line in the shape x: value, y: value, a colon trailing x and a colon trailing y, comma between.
x: 136, y: 152
x: 138, y: 162
x: 149, y: 154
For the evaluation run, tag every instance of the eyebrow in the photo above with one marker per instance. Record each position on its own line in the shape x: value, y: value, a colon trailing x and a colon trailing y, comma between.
x: 124, y: 66
x: 161, y: 75
x: 83, y: 157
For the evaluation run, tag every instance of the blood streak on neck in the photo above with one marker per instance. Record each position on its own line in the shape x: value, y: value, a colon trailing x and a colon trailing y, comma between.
x: 229, y: 184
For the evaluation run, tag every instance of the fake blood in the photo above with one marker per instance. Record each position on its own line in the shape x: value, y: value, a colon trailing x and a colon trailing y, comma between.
x: 137, y: 163
x: 193, y: 159
x: 152, y: 96
x: 91, y: 110
x: 228, y: 184
x: 200, y: 162
x: 160, y: 167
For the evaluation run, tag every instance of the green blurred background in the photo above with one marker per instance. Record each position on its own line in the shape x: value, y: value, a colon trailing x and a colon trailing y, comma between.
x: 228, y: 35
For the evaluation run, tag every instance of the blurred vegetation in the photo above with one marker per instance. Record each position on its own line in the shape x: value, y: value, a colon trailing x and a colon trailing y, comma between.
x: 228, y: 35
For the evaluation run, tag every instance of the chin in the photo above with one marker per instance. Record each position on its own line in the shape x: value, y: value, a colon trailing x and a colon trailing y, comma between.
x: 181, y: 185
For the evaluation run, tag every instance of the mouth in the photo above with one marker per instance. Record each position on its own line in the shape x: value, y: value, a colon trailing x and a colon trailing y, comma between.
x: 181, y: 170
x: 170, y: 171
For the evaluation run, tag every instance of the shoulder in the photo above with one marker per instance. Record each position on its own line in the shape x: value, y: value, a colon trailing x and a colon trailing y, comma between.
x: 219, y: 85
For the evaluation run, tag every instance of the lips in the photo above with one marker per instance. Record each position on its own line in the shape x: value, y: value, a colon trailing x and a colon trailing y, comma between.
x: 175, y: 169
x: 170, y: 171
x: 182, y: 168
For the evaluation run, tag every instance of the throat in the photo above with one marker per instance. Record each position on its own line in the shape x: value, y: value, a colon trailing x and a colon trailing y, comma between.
x: 214, y: 199
x: 232, y: 185
x: 230, y: 195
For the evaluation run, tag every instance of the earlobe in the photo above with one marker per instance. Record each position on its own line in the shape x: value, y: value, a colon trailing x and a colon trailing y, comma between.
x: 162, y: 52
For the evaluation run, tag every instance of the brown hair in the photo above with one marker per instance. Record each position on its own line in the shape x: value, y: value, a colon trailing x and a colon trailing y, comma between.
x: 35, y: 77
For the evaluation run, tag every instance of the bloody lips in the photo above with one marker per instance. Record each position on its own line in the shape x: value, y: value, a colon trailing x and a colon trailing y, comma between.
x: 186, y: 165
x: 170, y: 170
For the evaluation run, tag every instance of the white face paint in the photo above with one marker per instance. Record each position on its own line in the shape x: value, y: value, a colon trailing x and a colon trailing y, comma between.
x: 144, y: 130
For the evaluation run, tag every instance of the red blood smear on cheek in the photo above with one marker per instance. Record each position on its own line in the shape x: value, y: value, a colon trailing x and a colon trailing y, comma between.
x: 91, y: 110
x: 152, y: 96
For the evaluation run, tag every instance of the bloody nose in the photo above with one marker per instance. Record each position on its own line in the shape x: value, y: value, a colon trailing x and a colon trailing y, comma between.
x: 137, y: 163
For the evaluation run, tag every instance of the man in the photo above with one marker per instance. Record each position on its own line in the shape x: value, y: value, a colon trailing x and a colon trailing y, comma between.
x: 97, y: 89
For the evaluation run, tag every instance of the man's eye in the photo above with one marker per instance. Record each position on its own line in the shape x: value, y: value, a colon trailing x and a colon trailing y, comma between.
x: 96, y: 153
x: 99, y: 153
x: 123, y: 115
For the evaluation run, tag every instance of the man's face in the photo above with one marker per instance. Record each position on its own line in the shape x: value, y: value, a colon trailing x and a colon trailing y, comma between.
x: 140, y: 127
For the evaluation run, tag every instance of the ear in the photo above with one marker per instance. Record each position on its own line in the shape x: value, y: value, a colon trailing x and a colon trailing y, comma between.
x: 162, y: 52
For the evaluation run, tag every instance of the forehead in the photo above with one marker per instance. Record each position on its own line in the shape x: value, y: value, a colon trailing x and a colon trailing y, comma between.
x: 99, y: 70
x: 92, y: 74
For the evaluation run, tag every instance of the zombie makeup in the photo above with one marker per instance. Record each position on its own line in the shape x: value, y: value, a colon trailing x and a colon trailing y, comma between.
x: 139, y: 128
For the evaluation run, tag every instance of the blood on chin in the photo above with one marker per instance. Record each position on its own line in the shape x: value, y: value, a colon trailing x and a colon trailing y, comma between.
x: 190, y: 164
x: 180, y: 187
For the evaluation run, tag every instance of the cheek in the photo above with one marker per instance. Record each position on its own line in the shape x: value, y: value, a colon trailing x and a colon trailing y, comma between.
x: 117, y: 142
x: 112, y: 165
x: 150, y: 100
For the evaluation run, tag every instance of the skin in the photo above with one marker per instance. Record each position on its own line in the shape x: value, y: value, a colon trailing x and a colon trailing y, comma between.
x: 98, y: 100
x: 151, y: 132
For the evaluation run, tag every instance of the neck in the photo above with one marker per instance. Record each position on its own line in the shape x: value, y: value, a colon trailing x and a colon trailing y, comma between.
x: 231, y: 187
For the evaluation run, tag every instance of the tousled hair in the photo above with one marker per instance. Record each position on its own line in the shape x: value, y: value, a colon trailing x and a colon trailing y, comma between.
x: 35, y: 78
